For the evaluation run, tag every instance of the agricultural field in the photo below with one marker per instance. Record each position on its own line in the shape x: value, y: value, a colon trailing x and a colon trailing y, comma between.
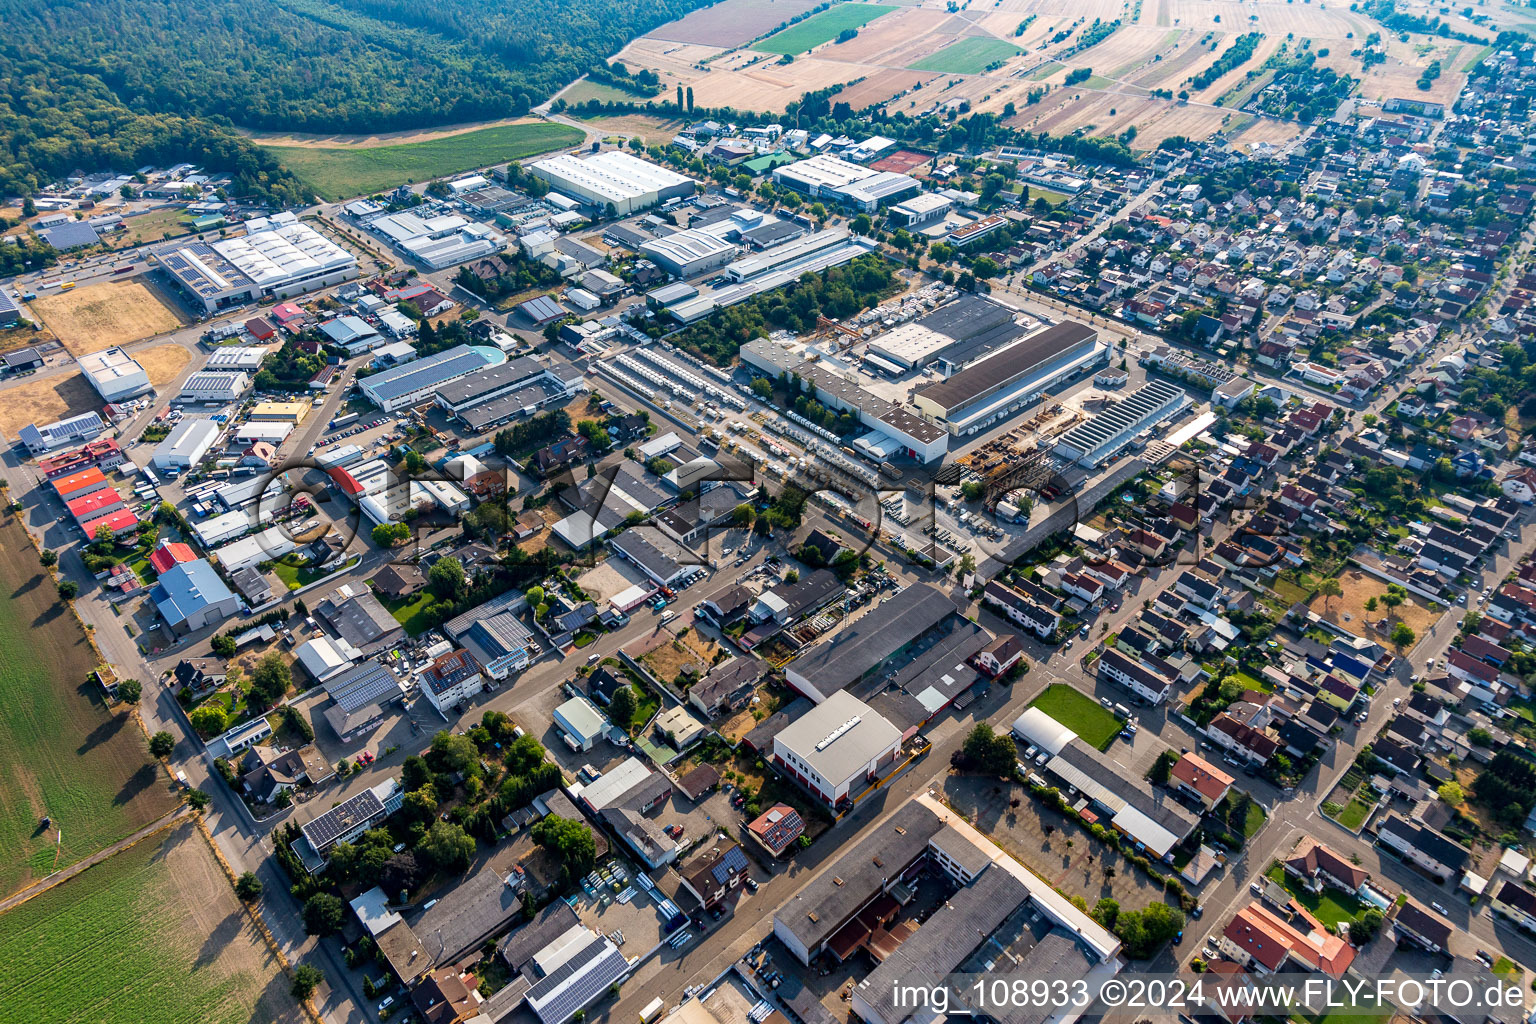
x: 822, y: 28
x: 97, y: 316
x: 731, y: 24
x: 152, y: 934
x: 968, y: 56
x: 586, y: 89
x: 62, y: 753
x: 336, y: 172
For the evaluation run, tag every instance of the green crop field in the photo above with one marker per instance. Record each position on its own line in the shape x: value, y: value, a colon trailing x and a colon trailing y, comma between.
x: 153, y: 934
x: 967, y: 57
x: 1078, y: 712
x: 336, y: 173
x: 822, y: 28
x: 62, y: 754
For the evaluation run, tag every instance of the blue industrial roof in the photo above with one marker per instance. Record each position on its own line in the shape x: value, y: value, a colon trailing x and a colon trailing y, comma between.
x: 186, y: 588
x: 445, y: 365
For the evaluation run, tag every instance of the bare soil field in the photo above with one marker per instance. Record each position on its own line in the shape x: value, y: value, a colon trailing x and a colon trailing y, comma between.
x: 653, y: 130
x: 1398, y: 77
x: 1177, y: 65
x: 99, y: 316
x: 1264, y: 129
x: 734, y: 23
x: 45, y: 399
x: 1349, y: 610
x: 63, y: 753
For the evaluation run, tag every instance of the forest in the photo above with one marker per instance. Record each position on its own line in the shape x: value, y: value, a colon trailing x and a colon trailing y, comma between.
x: 115, y: 84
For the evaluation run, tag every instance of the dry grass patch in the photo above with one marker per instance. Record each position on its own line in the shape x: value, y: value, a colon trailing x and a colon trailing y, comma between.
x: 163, y: 362
x: 45, y: 399
x: 1349, y: 610
x: 100, y: 316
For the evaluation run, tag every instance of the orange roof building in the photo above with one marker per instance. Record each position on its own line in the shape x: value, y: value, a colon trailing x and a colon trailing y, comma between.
x: 1264, y: 941
x: 1198, y: 777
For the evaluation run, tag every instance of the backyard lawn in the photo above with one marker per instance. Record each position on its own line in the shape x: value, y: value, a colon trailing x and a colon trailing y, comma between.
x: 1354, y: 815
x: 1080, y: 713
x: 410, y: 612
x: 296, y: 576
x: 1254, y: 820
x: 1332, y: 906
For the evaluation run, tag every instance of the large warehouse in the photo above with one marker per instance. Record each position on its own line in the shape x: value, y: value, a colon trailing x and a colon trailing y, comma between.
x: 953, y: 336
x: 1093, y: 443
x: 114, y: 374
x: 1003, y: 383
x: 838, y: 181
x: 416, y: 382
x: 614, y: 176
x: 686, y: 253
x: 278, y: 257
x: 439, y: 241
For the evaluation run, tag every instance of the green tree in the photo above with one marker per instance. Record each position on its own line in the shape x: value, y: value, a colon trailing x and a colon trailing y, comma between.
x: 387, y: 535
x: 570, y: 841
x: 1145, y: 931
x: 248, y: 887
x: 198, y: 799
x: 446, y: 579
x: 1479, y: 737
x: 622, y: 710
x: 224, y: 646
x: 209, y: 719
x: 104, y: 535
x: 453, y: 752
x: 68, y: 589
x: 1451, y: 793
x: 447, y: 847
x: 306, y: 978
x: 1402, y: 635
x: 270, y: 679
x: 1366, y: 926
x: 129, y: 691
x: 989, y: 752
x: 1330, y: 589
x: 324, y: 914
x: 161, y: 744
x: 49, y: 558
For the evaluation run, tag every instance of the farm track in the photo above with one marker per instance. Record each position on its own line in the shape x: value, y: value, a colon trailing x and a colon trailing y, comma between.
x: 38, y: 888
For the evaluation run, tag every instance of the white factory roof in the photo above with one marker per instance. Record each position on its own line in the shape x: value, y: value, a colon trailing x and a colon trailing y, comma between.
x: 109, y: 366
x: 685, y: 247
x: 614, y: 173
x: 839, y: 736
x: 280, y: 248
x: 923, y: 202
x: 825, y: 171
x: 189, y: 440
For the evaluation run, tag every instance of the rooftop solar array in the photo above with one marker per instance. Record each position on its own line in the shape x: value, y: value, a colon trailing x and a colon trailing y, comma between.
x: 577, y: 982
x: 342, y: 819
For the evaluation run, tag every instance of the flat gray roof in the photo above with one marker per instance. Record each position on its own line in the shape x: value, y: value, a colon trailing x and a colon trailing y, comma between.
x: 1008, y: 365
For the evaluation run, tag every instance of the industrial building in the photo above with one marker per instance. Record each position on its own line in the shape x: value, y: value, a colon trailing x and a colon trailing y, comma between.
x: 612, y: 177
x: 774, y: 268
x: 114, y: 374
x: 921, y: 210
x: 1008, y: 380
x: 444, y: 240
x: 217, y: 387
x: 186, y: 446
x: 236, y: 357
x: 415, y: 382
x: 278, y: 257
x: 496, y: 394
x: 952, y: 337
x: 1123, y: 799
x: 1093, y: 443
x: 893, y: 429
x: 837, y: 747
x: 61, y: 432
x: 836, y: 180
x: 687, y: 253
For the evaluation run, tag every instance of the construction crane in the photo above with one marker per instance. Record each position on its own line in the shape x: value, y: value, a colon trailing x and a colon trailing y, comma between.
x: 825, y: 327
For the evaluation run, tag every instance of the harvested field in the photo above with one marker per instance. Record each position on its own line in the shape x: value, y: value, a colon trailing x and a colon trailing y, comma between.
x: 45, y: 399
x: 822, y: 28
x: 880, y: 40
x: 586, y: 89
x: 1398, y: 78
x: 1349, y: 610
x: 62, y: 752
x: 732, y: 23
x: 163, y: 362
x: 968, y: 56
x: 1236, y: 77
x: 882, y: 87
x: 98, y: 316
x: 152, y: 934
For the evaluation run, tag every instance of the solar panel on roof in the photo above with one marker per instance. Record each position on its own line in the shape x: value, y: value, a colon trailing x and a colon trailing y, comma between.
x: 340, y: 820
x: 577, y: 982
x: 733, y: 863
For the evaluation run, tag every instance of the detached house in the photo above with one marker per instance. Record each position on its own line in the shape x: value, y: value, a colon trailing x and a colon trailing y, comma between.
x: 1316, y: 866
